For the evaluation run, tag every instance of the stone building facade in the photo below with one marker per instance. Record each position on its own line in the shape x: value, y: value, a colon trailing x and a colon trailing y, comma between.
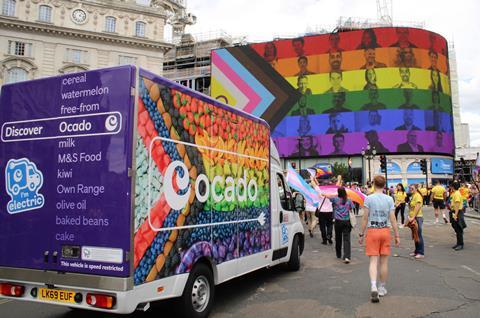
x: 41, y: 38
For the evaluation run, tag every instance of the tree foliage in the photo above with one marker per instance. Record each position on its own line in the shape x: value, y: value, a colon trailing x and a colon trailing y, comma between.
x: 340, y: 168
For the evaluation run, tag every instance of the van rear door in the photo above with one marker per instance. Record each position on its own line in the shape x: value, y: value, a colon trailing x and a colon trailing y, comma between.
x: 66, y: 150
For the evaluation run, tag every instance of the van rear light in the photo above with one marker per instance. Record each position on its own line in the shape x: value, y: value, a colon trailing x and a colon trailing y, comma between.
x: 11, y: 290
x: 101, y: 301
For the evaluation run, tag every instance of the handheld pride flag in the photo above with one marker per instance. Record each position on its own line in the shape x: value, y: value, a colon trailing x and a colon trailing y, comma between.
x: 296, y: 182
x: 354, y: 195
x: 476, y: 170
x: 323, y: 170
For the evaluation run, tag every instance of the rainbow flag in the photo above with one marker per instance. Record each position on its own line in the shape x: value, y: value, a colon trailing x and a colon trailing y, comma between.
x: 295, y: 181
x: 323, y: 170
x: 354, y: 195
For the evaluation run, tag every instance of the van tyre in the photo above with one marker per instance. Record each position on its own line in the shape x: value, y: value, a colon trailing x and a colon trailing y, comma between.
x: 294, y: 261
x: 199, y: 292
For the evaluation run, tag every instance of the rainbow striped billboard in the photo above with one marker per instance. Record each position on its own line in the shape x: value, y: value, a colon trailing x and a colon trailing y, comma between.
x: 332, y: 94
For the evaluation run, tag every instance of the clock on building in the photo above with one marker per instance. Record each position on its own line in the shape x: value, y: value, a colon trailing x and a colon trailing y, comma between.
x: 79, y: 16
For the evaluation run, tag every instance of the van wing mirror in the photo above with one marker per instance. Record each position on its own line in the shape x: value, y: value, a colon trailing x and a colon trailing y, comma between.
x: 299, y: 202
x: 288, y: 201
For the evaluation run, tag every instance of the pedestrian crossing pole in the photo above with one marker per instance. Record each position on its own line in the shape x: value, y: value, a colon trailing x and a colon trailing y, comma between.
x: 424, y: 168
x: 386, y: 172
x: 383, y: 168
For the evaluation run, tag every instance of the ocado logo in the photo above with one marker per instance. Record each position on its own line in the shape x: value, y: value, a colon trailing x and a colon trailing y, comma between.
x: 239, y: 189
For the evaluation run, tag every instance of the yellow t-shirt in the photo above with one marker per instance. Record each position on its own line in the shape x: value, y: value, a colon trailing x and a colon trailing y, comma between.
x: 456, y: 198
x: 371, y: 190
x: 423, y: 191
x: 400, y: 197
x: 416, y: 198
x: 438, y: 192
x: 465, y: 192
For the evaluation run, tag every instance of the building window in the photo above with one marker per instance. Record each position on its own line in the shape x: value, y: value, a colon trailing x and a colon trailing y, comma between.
x: 16, y: 74
x: 76, y: 56
x: 72, y: 69
x: 45, y: 14
x: 125, y: 60
x: 140, y: 29
x: 202, y: 85
x: 110, y: 24
x: 9, y: 7
x: 186, y: 82
x: 20, y: 48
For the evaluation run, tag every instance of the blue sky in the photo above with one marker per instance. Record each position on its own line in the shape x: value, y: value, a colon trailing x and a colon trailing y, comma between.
x: 262, y: 20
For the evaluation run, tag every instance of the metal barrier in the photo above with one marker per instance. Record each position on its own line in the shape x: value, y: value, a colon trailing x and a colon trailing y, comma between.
x: 476, y: 205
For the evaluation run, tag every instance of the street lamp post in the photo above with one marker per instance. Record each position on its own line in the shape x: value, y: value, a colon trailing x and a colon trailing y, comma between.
x: 299, y: 153
x: 369, y: 154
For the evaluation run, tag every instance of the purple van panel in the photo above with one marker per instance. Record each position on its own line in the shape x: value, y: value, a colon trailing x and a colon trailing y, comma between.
x: 65, y: 200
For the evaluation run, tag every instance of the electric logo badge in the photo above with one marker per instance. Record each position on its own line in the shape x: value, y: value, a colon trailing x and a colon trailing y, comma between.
x: 23, y: 181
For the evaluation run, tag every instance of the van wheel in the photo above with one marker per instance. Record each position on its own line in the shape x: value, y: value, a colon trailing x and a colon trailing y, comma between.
x: 197, y: 298
x: 294, y: 261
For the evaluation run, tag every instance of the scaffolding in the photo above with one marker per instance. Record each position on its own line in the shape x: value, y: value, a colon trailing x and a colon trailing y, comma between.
x: 189, y: 62
x: 354, y: 23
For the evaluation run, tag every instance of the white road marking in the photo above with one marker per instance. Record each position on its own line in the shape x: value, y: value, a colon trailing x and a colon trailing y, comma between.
x: 471, y: 270
x: 4, y: 301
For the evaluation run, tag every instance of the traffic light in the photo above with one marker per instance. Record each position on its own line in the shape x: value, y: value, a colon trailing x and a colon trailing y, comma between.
x: 383, y: 163
x: 423, y: 166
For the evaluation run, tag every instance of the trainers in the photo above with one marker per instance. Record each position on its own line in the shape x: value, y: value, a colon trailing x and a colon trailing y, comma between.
x: 374, y: 296
x: 346, y: 260
x: 419, y: 256
x: 412, y: 254
x: 400, y: 226
x: 458, y: 248
x: 382, y: 291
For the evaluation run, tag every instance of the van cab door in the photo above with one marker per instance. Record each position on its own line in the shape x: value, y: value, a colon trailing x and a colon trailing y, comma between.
x: 282, y: 216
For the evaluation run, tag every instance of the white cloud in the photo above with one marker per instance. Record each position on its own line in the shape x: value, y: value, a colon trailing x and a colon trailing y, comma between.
x: 473, y: 118
x: 262, y: 20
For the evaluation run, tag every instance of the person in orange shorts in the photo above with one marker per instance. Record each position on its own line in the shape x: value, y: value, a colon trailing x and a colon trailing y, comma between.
x: 379, y: 213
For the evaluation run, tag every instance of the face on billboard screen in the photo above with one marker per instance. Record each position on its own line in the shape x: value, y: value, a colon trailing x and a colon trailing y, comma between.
x: 387, y: 87
x: 202, y: 182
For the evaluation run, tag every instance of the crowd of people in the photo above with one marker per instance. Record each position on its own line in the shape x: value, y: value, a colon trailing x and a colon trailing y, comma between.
x: 385, y: 208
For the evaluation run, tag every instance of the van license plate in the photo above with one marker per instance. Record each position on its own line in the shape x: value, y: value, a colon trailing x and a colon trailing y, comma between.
x: 64, y: 296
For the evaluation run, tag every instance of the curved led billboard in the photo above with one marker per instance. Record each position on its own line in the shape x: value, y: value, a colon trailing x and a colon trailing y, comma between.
x: 332, y: 94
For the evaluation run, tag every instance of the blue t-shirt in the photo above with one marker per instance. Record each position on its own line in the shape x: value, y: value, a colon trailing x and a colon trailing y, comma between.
x: 379, y: 206
x: 340, y: 209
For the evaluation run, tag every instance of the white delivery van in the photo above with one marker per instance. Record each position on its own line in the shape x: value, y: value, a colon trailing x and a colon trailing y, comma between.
x: 142, y: 190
